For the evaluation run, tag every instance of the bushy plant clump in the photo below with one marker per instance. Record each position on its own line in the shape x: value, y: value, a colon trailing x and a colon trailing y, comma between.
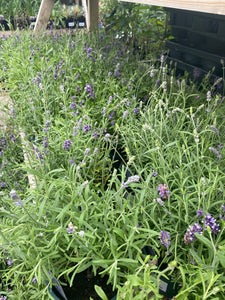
x: 143, y: 26
x: 125, y: 155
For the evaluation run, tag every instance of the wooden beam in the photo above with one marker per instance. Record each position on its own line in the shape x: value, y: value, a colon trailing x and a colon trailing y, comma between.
x: 93, y: 15
x: 44, y: 14
x: 207, y: 6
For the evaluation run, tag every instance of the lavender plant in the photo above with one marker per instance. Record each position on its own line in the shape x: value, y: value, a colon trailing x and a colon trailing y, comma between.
x: 126, y: 155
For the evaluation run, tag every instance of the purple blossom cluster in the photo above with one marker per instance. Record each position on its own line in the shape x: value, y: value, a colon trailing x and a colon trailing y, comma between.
x: 14, y: 196
x: 89, y: 91
x: 211, y: 222
x: 78, y: 89
x: 34, y: 280
x: 216, y: 151
x: 86, y: 128
x: 67, y: 145
x: 164, y: 192
x: 47, y: 126
x: 214, y: 129
x: 72, y: 162
x: 89, y: 51
x: 3, y: 145
x: 58, y: 67
x: 45, y: 144
x: 221, y: 216
x: 12, y: 137
x: 208, y: 221
x: 87, y: 151
x: 190, y: 234
x: 200, y: 213
x: 125, y: 114
x: 131, y: 179
x: 38, y: 154
x: 154, y: 174
x: 12, y: 113
x: 165, y: 238
x: 117, y: 70
x: 73, y: 106
x: 160, y: 201
x: 107, y: 137
x: 71, y: 228
x: 37, y: 79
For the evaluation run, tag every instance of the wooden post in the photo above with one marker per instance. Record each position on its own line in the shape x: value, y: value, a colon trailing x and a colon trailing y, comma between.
x: 84, y: 5
x: 93, y: 15
x: 44, y: 14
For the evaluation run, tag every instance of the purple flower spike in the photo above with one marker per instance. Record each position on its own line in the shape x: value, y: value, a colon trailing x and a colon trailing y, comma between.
x: 34, y: 280
x: 154, y: 173
x: 223, y: 207
x: 87, y: 151
x: 131, y: 179
x: 165, y: 238
x: 159, y: 200
x: 73, y: 105
x: 211, y: 222
x: 125, y: 113
x: 164, y: 192
x: 9, y: 262
x: 190, y: 235
x: 107, y: 137
x: 67, y: 145
x: 136, y: 111
x: 89, y: 88
x: 200, y: 213
x: 12, y: 113
x: 86, y: 128
x: 14, y: 196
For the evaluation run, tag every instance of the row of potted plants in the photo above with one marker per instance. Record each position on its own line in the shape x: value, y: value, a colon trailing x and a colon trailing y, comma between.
x: 62, y: 16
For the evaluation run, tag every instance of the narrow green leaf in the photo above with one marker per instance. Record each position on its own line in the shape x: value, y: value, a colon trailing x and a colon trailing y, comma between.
x: 221, y: 258
x: 100, y: 292
x: 205, y: 241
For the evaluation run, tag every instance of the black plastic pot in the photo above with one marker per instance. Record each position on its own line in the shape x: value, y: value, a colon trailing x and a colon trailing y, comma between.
x: 4, y: 25
x: 81, y: 22
x: 81, y: 284
x: 167, y: 287
x: 71, y: 23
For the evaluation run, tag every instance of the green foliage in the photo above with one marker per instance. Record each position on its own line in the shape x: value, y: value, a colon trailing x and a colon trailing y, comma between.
x: 122, y: 152
x: 144, y: 26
